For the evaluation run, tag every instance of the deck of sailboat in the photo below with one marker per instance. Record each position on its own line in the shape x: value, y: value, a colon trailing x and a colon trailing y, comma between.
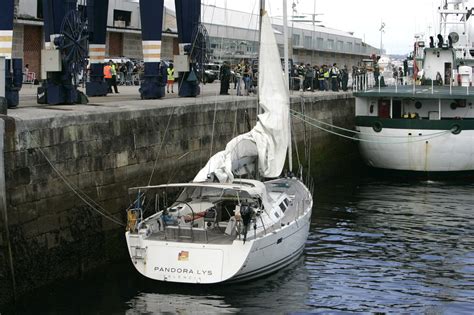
x: 214, y: 236
x: 295, y: 189
x: 277, y: 189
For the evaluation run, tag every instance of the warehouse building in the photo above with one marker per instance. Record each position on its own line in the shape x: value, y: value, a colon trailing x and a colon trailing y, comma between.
x: 233, y: 36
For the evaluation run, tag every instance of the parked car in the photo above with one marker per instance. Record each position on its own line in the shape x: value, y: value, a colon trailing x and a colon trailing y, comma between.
x: 211, y: 72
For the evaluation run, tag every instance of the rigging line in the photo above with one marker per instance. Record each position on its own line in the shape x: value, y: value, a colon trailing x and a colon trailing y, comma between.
x: 213, y: 127
x: 161, y: 146
x: 292, y: 135
x: 234, y: 129
x: 81, y: 195
x: 212, y: 135
x: 424, y: 138
x: 352, y: 131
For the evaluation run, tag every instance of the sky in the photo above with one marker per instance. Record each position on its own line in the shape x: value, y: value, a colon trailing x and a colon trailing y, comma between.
x: 403, y: 18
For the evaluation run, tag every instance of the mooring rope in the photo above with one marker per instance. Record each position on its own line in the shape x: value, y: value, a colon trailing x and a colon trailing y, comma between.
x: 409, y: 140
x: 306, y: 117
x: 161, y: 146
x: 76, y: 190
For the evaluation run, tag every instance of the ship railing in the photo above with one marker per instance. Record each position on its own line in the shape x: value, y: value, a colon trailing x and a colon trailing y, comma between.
x: 364, y: 82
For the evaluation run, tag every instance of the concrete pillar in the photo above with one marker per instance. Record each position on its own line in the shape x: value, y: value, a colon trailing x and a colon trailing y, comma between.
x: 151, y: 14
x: 97, y: 11
x: 2, y: 76
x: 6, y: 28
x: 188, y: 13
x: 3, y: 100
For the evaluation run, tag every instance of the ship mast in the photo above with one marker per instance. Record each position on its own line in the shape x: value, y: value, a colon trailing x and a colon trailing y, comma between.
x: 285, y: 52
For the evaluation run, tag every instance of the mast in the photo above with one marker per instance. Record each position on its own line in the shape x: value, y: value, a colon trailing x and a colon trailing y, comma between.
x: 262, y: 12
x: 285, y: 52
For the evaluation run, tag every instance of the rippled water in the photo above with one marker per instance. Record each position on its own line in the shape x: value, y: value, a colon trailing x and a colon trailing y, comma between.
x: 374, y: 246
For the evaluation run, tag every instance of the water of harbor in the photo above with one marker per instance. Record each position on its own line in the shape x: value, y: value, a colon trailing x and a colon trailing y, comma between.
x: 375, y: 245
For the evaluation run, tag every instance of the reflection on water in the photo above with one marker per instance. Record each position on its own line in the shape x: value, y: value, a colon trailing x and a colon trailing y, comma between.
x: 391, y: 247
x: 155, y: 303
x: 374, y: 246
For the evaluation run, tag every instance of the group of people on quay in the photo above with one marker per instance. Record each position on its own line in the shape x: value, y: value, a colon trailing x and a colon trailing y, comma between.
x: 319, y: 77
x: 125, y: 73
x: 301, y: 77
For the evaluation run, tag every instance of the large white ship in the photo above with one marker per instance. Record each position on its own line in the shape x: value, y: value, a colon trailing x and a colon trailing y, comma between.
x: 425, y: 123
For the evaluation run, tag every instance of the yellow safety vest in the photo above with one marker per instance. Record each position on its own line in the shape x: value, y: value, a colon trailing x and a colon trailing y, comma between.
x: 170, y: 74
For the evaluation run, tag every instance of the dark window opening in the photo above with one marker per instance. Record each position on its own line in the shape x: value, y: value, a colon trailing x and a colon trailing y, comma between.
x: 122, y: 18
x: 39, y: 9
x: 397, y: 109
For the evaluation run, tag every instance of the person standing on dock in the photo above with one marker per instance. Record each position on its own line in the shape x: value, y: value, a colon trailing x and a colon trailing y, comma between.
x: 225, y: 78
x: 334, y: 78
x: 108, y: 76
x: 113, y: 69
x: 170, y: 72
x: 344, y: 78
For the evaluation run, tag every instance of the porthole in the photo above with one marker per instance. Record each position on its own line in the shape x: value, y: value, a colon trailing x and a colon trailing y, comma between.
x: 418, y: 105
x: 456, y: 129
x: 377, y: 126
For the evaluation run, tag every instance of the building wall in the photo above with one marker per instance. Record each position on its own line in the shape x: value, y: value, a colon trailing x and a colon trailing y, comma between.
x: 18, y: 36
x: 132, y: 45
x: 169, y: 47
x: 56, y: 235
x: 32, y: 45
x: 114, y: 46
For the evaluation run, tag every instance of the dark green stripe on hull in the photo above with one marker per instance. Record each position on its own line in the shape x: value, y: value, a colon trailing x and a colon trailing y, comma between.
x: 443, y: 124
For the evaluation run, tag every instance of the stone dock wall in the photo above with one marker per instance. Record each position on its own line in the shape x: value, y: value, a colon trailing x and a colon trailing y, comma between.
x: 49, y: 161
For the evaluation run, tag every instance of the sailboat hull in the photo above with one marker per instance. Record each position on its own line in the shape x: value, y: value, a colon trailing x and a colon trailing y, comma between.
x: 213, y: 263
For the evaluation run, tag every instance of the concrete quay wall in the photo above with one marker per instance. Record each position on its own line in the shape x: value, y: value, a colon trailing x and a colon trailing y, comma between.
x: 54, y: 234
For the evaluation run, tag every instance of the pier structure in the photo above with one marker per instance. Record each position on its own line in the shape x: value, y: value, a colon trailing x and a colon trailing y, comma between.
x: 65, y: 42
x: 13, y: 66
x: 97, y: 11
x: 187, y: 18
x: 68, y: 168
x: 154, y: 78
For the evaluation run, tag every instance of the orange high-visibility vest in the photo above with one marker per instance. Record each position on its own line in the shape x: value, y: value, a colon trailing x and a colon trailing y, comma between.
x: 107, y: 72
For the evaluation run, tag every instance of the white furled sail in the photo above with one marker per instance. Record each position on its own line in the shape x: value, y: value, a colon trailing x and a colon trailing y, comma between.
x: 268, y: 140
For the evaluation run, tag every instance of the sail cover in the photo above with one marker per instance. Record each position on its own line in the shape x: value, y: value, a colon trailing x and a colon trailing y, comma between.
x: 268, y: 140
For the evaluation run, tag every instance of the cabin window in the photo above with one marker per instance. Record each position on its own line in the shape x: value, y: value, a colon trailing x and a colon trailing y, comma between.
x: 282, y: 207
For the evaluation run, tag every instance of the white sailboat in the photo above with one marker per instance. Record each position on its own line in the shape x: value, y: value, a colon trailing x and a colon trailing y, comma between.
x: 221, y: 227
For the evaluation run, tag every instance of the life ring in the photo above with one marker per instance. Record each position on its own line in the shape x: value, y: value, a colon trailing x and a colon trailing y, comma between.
x: 377, y: 126
x: 456, y: 129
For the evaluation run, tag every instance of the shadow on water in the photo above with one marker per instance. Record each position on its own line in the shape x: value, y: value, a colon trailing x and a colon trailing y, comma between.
x: 375, y: 245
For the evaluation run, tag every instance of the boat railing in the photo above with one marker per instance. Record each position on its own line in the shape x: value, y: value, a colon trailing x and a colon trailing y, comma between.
x: 364, y: 82
x: 203, y: 235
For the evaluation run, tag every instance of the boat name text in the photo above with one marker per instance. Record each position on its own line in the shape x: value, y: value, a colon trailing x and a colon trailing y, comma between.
x: 199, y: 272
